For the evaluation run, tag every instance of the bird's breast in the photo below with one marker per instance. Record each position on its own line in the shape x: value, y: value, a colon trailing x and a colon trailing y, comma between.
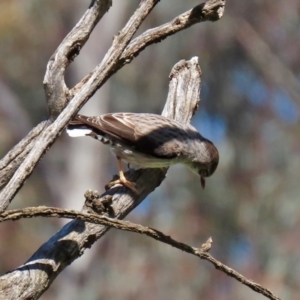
x: 141, y: 159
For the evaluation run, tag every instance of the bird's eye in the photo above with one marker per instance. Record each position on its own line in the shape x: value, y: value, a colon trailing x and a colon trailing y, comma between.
x: 203, y: 173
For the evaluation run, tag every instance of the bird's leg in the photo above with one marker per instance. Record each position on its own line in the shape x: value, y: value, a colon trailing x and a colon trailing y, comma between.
x: 122, y: 179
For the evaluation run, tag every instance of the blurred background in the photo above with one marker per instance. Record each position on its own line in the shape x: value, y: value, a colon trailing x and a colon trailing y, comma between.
x: 249, y: 108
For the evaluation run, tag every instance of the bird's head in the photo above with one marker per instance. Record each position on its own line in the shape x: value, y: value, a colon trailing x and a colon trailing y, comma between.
x: 206, y: 162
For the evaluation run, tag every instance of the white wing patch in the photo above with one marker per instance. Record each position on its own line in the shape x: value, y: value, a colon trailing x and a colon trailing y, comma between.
x: 76, y: 132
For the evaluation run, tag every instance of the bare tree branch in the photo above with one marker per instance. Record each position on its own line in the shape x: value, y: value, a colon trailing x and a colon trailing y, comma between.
x: 43, y: 211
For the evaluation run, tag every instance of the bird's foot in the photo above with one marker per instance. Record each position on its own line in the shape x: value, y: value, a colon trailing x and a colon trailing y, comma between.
x: 123, y: 181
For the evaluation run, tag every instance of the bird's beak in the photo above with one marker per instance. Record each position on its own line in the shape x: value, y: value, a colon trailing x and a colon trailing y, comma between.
x: 202, y: 179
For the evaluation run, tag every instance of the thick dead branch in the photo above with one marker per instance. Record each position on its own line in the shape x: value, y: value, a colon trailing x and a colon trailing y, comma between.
x: 43, y: 211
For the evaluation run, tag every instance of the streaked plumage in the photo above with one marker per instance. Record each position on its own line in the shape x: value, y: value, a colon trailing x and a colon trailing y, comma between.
x: 149, y: 140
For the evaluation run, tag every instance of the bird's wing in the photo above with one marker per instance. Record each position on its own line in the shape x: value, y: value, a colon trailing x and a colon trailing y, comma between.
x: 108, y: 125
x: 119, y: 125
x: 150, y: 134
x: 147, y: 133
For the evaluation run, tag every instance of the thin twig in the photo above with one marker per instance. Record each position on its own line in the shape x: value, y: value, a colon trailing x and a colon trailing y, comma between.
x: 43, y: 211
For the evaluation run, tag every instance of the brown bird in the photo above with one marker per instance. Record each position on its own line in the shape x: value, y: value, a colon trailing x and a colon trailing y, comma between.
x: 149, y: 141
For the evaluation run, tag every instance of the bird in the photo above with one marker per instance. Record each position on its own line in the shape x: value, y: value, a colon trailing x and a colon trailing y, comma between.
x: 148, y: 141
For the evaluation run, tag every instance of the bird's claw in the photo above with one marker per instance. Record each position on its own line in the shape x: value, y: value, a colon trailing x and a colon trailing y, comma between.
x: 127, y: 183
